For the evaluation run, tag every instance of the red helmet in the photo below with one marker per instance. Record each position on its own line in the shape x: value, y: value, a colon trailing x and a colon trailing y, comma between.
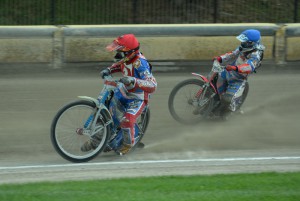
x: 124, y: 43
x: 126, y: 46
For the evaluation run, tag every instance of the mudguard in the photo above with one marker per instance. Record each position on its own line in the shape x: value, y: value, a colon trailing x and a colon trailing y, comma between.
x: 90, y: 99
x: 205, y: 80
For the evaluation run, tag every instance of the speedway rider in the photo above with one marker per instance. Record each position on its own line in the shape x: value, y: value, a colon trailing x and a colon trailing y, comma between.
x: 239, y: 64
x: 139, y: 82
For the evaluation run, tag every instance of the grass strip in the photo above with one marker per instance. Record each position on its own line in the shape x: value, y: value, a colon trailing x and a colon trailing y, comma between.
x: 230, y: 187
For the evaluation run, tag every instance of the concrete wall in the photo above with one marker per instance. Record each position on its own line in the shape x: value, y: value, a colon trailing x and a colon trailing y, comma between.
x: 26, y: 44
x: 292, y: 42
x: 175, y: 42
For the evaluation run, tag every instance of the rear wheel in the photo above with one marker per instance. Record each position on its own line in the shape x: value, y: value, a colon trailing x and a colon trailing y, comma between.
x: 244, y: 96
x: 142, y: 122
x: 187, y: 104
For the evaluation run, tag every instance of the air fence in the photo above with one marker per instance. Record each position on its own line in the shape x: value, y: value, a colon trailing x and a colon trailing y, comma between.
x: 59, y: 46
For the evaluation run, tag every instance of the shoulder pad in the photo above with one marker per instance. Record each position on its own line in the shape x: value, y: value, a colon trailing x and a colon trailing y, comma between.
x: 260, y: 47
x: 136, y: 63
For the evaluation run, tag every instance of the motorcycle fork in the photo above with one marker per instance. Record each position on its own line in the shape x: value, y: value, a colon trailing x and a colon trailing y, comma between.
x: 201, y: 94
x: 91, y: 122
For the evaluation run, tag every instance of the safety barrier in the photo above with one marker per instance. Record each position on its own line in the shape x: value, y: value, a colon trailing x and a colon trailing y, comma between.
x: 58, y: 45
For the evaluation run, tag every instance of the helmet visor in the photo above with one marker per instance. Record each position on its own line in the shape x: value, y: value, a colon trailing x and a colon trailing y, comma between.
x: 242, y: 38
x: 114, y: 46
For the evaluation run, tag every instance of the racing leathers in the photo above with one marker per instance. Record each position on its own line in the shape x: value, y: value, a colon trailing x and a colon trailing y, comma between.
x: 136, y: 95
x: 231, y: 81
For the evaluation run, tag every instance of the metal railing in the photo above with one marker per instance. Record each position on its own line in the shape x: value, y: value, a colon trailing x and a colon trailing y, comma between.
x: 89, y: 12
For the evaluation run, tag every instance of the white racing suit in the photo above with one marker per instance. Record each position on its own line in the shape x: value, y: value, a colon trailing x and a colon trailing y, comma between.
x: 231, y: 84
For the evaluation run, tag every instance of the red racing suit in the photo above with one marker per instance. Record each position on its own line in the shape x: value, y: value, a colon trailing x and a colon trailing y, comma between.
x: 138, y: 93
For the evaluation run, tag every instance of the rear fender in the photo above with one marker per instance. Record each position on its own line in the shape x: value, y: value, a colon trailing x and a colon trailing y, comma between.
x: 201, y: 76
x: 205, y: 80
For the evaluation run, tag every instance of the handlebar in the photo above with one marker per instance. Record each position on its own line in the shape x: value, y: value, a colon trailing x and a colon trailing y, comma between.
x: 217, y: 67
x: 108, y: 80
x: 108, y: 77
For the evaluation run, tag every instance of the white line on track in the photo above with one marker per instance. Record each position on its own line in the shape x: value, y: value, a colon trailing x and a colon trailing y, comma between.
x: 152, y: 162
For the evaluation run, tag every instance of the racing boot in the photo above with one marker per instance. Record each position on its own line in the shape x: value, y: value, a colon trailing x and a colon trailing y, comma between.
x: 224, y: 109
x: 240, y: 111
x: 91, y: 143
x: 225, y: 112
x: 140, y: 145
x: 124, y: 149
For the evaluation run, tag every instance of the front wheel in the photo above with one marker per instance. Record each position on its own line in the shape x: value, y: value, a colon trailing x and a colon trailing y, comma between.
x: 70, y: 130
x: 190, y: 101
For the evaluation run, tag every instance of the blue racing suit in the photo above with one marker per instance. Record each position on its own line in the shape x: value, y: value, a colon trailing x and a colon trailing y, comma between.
x: 231, y: 83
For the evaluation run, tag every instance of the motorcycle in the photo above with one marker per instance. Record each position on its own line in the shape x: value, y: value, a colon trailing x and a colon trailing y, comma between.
x: 193, y: 100
x: 99, y: 118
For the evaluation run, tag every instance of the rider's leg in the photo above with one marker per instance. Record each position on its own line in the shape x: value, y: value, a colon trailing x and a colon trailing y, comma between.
x: 116, y: 102
x: 228, y: 104
x: 133, y: 111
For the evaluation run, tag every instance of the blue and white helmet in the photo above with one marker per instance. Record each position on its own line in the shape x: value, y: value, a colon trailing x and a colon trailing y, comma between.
x: 250, y: 40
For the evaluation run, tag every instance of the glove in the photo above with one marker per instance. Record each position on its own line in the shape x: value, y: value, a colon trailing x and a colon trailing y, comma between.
x: 104, y: 73
x: 231, y: 68
x: 219, y: 59
x: 127, y: 80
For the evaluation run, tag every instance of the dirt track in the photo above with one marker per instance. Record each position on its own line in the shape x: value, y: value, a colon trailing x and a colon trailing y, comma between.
x: 269, y: 128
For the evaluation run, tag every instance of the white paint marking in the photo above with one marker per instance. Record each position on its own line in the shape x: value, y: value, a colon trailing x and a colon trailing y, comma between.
x: 152, y: 162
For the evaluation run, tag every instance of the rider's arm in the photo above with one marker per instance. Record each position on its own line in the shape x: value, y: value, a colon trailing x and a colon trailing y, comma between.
x: 109, y: 70
x: 242, y: 68
x: 114, y: 68
x: 148, y: 84
x: 228, y: 57
x: 251, y: 64
x: 145, y: 80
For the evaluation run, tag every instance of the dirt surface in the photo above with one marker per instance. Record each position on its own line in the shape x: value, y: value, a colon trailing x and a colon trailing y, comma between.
x: 265, y: 138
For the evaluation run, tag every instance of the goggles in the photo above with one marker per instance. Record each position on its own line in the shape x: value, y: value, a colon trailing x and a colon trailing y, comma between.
x: 247, y: 44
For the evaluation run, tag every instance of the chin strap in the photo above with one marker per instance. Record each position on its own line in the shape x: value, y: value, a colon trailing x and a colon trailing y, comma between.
x: 130, y: 57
